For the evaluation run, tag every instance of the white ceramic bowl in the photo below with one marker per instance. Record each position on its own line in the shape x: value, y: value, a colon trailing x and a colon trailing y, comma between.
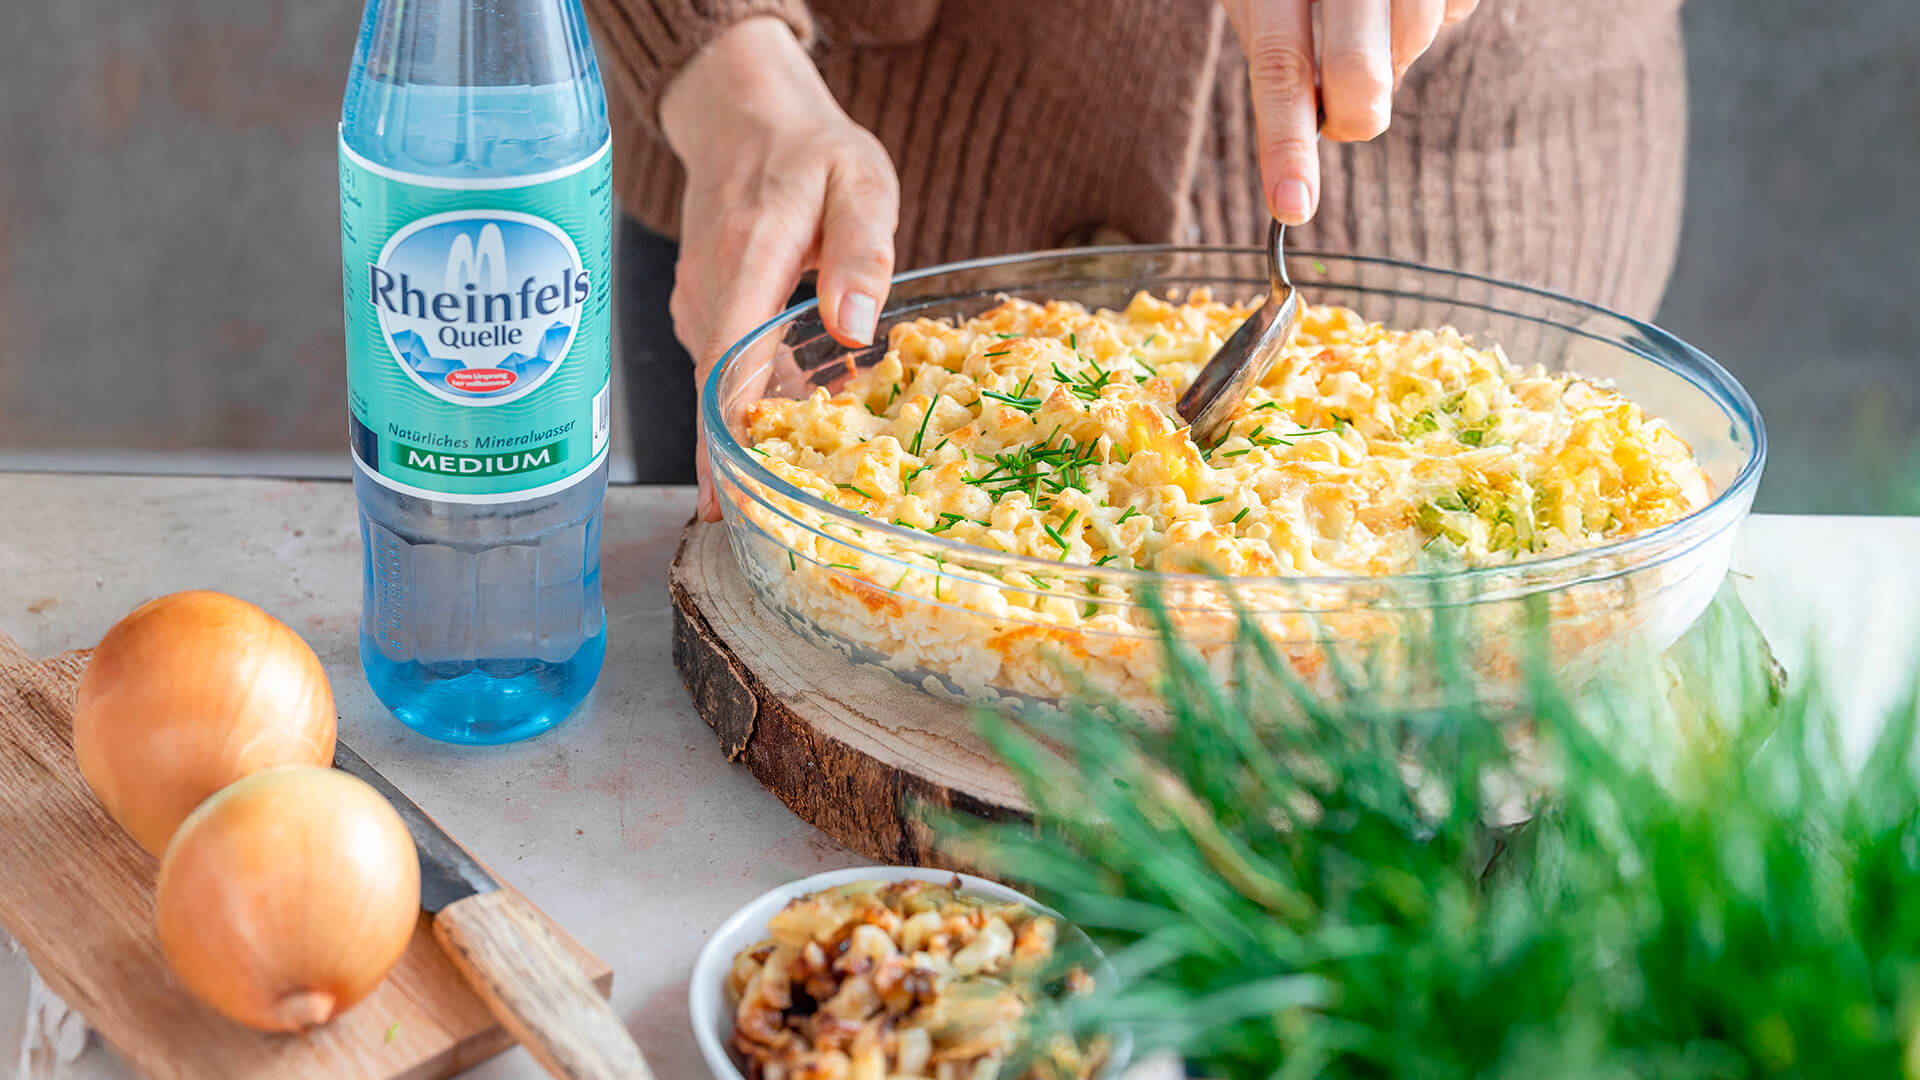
x: 707, y: 997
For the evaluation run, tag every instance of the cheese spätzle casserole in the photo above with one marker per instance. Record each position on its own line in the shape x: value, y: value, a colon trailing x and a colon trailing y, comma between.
x: 1048, y: 432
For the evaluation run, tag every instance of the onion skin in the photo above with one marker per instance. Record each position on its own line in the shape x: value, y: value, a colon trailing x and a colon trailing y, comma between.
x: 286, y: 898
x: 187, y: 694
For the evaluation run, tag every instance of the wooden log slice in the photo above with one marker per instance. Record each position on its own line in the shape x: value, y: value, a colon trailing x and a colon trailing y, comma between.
x: 846, y: 746
x: 853, y: 750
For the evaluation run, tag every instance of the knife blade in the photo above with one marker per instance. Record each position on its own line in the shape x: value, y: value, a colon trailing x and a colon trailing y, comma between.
x: 507, y: 954
x: 447, y: 873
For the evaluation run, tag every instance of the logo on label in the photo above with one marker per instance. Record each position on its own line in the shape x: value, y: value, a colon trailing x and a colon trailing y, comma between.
x: 479, y: 307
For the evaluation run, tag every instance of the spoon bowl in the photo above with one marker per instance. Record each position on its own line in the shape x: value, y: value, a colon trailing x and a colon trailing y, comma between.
x: 1247, y: 356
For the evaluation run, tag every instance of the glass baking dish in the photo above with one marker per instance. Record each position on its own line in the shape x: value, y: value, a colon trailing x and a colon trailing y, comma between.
x: 967, y: 623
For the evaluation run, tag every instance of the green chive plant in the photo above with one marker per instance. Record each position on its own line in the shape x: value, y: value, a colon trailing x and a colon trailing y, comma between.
x: 1700, y: 883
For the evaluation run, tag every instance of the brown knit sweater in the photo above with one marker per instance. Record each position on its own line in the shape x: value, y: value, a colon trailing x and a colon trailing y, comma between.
x: 1540, y: 141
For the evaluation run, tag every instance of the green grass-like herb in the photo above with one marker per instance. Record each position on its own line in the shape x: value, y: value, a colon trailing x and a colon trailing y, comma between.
x: 922, y: 433
x: 1706, y: 887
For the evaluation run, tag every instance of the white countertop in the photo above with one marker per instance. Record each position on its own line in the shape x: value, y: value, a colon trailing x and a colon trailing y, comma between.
x: 626, y: 824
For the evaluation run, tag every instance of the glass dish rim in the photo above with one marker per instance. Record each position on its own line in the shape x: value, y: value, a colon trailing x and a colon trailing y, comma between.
x: 1718, y: 382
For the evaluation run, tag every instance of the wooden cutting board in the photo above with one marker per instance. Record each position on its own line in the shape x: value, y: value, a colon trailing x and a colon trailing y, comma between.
x: 77, y: 893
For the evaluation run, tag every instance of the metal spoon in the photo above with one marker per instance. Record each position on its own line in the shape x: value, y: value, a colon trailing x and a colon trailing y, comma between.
x: 1245, y: 358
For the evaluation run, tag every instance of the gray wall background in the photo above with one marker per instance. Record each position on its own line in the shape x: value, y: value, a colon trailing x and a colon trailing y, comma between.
x: 1799, y: 261
x: 169, y: 268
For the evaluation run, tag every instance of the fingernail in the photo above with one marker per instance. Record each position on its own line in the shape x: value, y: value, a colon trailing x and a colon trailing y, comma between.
x: 1292, y: 202
x: 858, y: 314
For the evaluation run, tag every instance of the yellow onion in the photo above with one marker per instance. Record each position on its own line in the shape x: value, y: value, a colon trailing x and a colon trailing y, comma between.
x: 287, y: 897
x: 186, y: 695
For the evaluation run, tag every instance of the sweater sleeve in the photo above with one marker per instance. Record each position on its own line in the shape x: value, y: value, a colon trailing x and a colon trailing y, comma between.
x: 644, y: 43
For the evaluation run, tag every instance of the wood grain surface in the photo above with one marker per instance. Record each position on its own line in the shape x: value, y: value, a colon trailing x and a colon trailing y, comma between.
x: 525, y: 975
x: 77, y: 893
x: 846, y: 747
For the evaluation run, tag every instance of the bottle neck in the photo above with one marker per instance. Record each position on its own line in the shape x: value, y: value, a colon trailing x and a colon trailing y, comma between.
x: 474, y: 88
x: 476, y: 43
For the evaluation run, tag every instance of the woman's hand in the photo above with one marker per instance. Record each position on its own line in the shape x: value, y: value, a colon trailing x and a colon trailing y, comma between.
x: 779, y: 181
x: 1365, y: 47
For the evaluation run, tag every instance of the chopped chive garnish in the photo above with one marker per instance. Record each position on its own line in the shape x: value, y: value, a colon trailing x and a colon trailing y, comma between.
x: 1266, y: 405
x: 918, y: 435
x: 855, y: 490
x: 1068, y: 520
x: 1024, y: 404
x: 1028, y: 381
x: 1139, y: 379
x: 902, y: 524
x: 757, y: 450
x: 909, y: 480
x: 1150, y: 339
x: 791, y: 565
x: 894, y: 393
x: 1131, y: 510
x: 1073, y: 342
x: 896, y: 584
x: 1472, y: 437
x: 940, y: 564
x: 1255, y: 433
x: 1054, y: 536
x: 843, y: 566
x: 997, y: 352
x: 1104, y: 560
x: 1320, y: 266
x: 1144, y: 364
x: 1238, y: 516
x: 1215, y: 499
x: 1003, y: 336
x: 1237, y: 453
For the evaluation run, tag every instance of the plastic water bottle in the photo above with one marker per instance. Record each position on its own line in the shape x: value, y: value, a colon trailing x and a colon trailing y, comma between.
x: 476, y: 233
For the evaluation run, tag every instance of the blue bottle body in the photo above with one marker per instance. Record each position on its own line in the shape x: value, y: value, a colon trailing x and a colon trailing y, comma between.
x: 482, y: 618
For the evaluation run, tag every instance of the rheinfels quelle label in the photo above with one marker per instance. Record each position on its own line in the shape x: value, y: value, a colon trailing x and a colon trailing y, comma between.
x: 478, y: 328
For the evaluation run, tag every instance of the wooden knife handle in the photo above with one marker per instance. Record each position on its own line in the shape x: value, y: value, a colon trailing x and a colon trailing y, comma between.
x: 536, y: 990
